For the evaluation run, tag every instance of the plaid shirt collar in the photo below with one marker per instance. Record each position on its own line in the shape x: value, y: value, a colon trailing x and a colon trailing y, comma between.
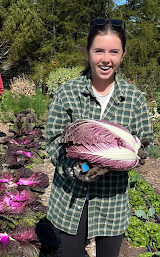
x: 119, y: 95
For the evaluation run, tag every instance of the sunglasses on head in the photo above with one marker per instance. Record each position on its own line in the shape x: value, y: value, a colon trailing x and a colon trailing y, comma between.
x: 114, y: 22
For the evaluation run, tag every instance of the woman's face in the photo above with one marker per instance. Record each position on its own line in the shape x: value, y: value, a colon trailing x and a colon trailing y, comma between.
x: 105, y: 56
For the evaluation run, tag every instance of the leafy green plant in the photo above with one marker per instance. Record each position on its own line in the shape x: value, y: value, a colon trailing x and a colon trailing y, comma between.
x: 136, y: 201
x: 13, y: 104
x: 158, y: 101
x: 60, y: 76
x: 146, y: 216
x: 153, y: 230
x: 147, y: 192
x: 133, y: 177
x: 154, y: 151
x: 136, y: 233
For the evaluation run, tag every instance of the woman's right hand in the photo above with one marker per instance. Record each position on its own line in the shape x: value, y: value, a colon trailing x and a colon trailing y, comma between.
x: 85, y: 172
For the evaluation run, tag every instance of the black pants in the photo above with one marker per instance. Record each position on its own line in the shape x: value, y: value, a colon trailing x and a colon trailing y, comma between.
x: 74, y: 245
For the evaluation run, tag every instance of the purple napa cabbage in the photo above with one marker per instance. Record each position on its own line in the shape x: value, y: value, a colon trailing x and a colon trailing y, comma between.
x: 4, y: 238
x: 102, y: 143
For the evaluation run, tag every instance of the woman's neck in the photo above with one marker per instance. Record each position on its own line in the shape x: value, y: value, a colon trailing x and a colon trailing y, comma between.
x: 102, y: 87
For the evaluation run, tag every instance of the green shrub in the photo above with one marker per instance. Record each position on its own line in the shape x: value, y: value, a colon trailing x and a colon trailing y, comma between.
x: 158, y: 101
x: 12, y: 104
x: 60, y: 76
x: 154, y: 151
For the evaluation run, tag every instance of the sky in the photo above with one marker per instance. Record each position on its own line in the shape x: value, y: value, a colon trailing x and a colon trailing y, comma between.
x: 120, y: 2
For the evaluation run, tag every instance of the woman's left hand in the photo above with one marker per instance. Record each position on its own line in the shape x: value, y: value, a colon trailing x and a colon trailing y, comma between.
x: 142, y: 153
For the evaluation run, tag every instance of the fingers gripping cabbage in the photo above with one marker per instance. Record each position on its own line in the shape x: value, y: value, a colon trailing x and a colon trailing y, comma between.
x: 102, y: 143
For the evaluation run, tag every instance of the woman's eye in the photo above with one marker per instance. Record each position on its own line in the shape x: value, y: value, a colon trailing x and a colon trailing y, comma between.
x: 98, y: 51
x: 115, y: 52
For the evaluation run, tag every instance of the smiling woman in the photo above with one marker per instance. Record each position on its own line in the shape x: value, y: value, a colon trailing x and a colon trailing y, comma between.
x: 79, y: 206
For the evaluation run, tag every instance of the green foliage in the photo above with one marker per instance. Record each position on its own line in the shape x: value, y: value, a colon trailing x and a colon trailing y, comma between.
x: 154, y: 151
x: 40, y: 72
x: 14, y: 104
x: 143, y: 215
x: 145, y: 205
x: 153, y: 230
x: 33, y: 34
x: 21, y: 29
x: 142, y: 234
x: 147, y: 192
x: 136, y: 233
x: 158, y: 99
x: 60, y: 76
x: 142, y: 26
x: 31, y: 218
x: 136, y: 201
x: 133, y: 177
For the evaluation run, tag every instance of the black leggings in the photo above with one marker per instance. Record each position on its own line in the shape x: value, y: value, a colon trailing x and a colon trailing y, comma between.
x: 74, y: 245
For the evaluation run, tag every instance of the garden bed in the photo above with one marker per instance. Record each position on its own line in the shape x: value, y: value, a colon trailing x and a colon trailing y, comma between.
x: 150, y: 172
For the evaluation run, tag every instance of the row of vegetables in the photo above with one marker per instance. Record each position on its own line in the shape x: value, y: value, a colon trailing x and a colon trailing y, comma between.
x: 21, y: 210
x: 21, y: 186
x: 144, y: 228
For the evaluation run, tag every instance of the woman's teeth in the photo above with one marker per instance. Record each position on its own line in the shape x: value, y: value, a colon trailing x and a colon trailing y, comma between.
x: 104, y: 68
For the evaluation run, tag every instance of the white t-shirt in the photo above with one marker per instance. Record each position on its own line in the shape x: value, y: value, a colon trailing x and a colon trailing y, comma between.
x: 103, y: 99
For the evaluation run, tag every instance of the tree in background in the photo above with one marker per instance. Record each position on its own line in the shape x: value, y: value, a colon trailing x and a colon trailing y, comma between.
x: 37, y: 37
x: 34, y: 33
x: 21, y: 30
x: 143, y: 47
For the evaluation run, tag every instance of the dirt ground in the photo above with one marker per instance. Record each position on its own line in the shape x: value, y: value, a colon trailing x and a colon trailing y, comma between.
x: 150, y: 172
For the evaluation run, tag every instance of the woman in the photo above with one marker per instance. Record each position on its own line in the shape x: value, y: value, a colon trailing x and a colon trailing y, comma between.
x: 99, y: 208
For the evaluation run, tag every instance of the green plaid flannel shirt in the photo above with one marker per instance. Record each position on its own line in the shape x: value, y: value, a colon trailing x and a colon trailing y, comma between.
x: 108, y: 204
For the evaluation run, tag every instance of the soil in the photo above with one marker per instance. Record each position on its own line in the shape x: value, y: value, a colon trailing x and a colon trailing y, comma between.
x: 150, y: 171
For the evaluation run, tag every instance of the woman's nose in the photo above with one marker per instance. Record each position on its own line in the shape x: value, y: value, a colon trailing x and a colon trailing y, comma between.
x: 106, y: 57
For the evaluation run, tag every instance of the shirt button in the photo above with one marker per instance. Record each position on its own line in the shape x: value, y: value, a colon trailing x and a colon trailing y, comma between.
x: 98, y: 106
x: 85, y: 189
x: 79, y: 207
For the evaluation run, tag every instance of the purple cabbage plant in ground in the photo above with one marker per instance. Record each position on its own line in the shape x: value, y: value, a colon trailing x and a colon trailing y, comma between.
x: 25, y: 145
x: 20, y: 187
